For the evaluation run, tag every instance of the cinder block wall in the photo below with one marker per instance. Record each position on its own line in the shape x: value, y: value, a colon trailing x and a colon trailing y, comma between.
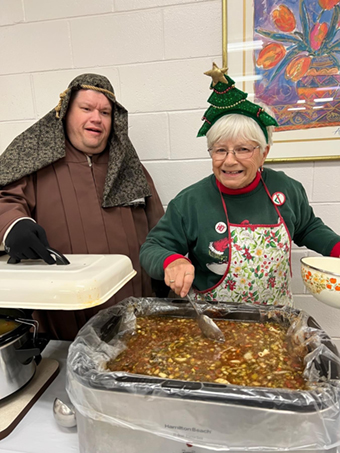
x: 155, y: 53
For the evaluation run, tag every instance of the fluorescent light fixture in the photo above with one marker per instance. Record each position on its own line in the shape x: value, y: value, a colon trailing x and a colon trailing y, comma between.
x: 297, y: 108
x: 324, y: 100
x: 327, y: 88
x: 248, y: 45
x: 247, y: 78
x: 301, y: 101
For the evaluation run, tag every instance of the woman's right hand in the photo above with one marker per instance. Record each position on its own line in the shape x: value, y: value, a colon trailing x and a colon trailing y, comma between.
x: 179, y: 275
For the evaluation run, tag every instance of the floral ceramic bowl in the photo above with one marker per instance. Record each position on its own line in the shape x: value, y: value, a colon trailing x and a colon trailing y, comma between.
x: 321, y: 276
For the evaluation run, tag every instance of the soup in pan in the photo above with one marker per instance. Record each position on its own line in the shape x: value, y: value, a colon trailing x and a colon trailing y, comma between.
x: 7, y: 326
x: 253, y: 354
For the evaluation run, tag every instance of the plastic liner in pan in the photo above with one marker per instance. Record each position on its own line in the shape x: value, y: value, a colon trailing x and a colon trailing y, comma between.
x: 317, y: 412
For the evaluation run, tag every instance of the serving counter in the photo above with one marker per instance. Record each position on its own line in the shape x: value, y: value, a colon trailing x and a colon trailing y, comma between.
x: 38, y: 432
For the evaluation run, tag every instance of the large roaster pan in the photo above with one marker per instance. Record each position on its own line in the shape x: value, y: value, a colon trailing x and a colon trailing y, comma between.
x: 130, y: 412
x: 322, y: 362
x: 323, y: 365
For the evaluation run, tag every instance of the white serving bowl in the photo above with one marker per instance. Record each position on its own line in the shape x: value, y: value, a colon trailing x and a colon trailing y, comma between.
x: 321, y: 276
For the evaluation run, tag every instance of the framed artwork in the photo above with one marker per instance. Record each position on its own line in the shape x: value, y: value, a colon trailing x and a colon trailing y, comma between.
x: 286, y: 54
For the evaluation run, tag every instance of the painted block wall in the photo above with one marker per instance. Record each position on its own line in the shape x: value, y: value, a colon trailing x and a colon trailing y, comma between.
x: 155, y: 53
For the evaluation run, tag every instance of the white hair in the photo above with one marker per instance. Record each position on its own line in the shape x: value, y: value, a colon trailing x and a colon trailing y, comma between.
x: 236, y: 126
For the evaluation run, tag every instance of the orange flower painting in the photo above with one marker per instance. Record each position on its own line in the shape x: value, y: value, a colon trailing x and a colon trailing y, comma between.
x: 284, y: 19
x: 328, y: 4
x: 297, y: 68
x: 298, y: 63
x: 271, y: 55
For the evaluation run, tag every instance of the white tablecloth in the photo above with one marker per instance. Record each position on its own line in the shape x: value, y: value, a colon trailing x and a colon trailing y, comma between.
x: 38, y: 432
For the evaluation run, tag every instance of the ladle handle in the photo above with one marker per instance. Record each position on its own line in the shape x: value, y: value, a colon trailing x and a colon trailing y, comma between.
x: 193, y: 304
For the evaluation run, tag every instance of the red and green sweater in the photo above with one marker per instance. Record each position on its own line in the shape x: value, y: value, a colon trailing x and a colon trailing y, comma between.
x: 188, y: 226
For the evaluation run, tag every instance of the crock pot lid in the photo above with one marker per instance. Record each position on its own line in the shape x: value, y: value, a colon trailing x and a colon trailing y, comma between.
x: 88, y: 281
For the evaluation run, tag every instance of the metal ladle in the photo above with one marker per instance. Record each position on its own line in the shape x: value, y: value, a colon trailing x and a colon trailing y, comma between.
x: 64, y: 414
x: 208, y: 327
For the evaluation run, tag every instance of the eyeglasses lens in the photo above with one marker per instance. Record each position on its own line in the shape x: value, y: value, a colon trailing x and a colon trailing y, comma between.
x: 240, y: 153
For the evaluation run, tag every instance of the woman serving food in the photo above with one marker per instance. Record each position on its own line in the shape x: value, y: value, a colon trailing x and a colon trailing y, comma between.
x: 236, y: 226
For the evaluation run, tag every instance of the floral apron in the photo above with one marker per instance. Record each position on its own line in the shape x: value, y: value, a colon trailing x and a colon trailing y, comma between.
x: 259, y: 264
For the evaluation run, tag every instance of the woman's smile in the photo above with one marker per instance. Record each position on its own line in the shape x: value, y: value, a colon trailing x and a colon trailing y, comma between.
x: 232, y: 172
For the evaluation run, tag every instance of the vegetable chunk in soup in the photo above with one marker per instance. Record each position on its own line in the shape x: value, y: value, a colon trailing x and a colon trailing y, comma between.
x: 253, y: 354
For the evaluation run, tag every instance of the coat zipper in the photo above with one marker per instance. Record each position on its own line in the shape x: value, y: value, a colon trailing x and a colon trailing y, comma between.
x: 89, y: 160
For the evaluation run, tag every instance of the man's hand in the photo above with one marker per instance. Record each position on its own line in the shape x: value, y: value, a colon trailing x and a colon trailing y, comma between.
x: 179, y: 275
x: 27, y: 240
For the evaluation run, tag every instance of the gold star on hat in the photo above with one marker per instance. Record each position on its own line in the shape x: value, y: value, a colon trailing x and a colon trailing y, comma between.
x: 217, y: 74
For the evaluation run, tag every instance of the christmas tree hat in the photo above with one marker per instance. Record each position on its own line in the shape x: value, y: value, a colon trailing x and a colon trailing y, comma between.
x: 227, y: 99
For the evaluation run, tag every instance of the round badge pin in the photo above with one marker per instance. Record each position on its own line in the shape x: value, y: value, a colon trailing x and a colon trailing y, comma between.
x: 221, y: 227
x: 279, y: 198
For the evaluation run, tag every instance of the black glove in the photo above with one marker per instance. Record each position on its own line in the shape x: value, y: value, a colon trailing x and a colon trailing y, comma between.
x: 27, y: 240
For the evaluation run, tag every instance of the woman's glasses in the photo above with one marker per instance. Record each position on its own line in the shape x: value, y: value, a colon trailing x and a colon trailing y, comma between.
x: 240, y: 152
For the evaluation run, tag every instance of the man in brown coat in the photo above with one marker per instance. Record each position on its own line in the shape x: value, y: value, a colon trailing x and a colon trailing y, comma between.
x: 74, y: 182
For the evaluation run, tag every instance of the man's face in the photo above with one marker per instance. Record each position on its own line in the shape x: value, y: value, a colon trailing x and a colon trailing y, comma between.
x: 88, y: 121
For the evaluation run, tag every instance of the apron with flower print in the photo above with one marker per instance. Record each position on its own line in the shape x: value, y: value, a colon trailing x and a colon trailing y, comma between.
x: 259, y: 269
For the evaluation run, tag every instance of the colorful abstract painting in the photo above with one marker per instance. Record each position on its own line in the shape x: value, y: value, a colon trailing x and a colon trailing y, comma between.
x: 298, y: 65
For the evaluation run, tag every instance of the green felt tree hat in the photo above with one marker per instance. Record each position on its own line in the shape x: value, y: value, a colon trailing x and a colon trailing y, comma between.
x: 227, y: 99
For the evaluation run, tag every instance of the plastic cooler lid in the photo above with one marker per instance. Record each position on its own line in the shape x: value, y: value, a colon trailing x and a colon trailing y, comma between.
x: 88, y: 281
